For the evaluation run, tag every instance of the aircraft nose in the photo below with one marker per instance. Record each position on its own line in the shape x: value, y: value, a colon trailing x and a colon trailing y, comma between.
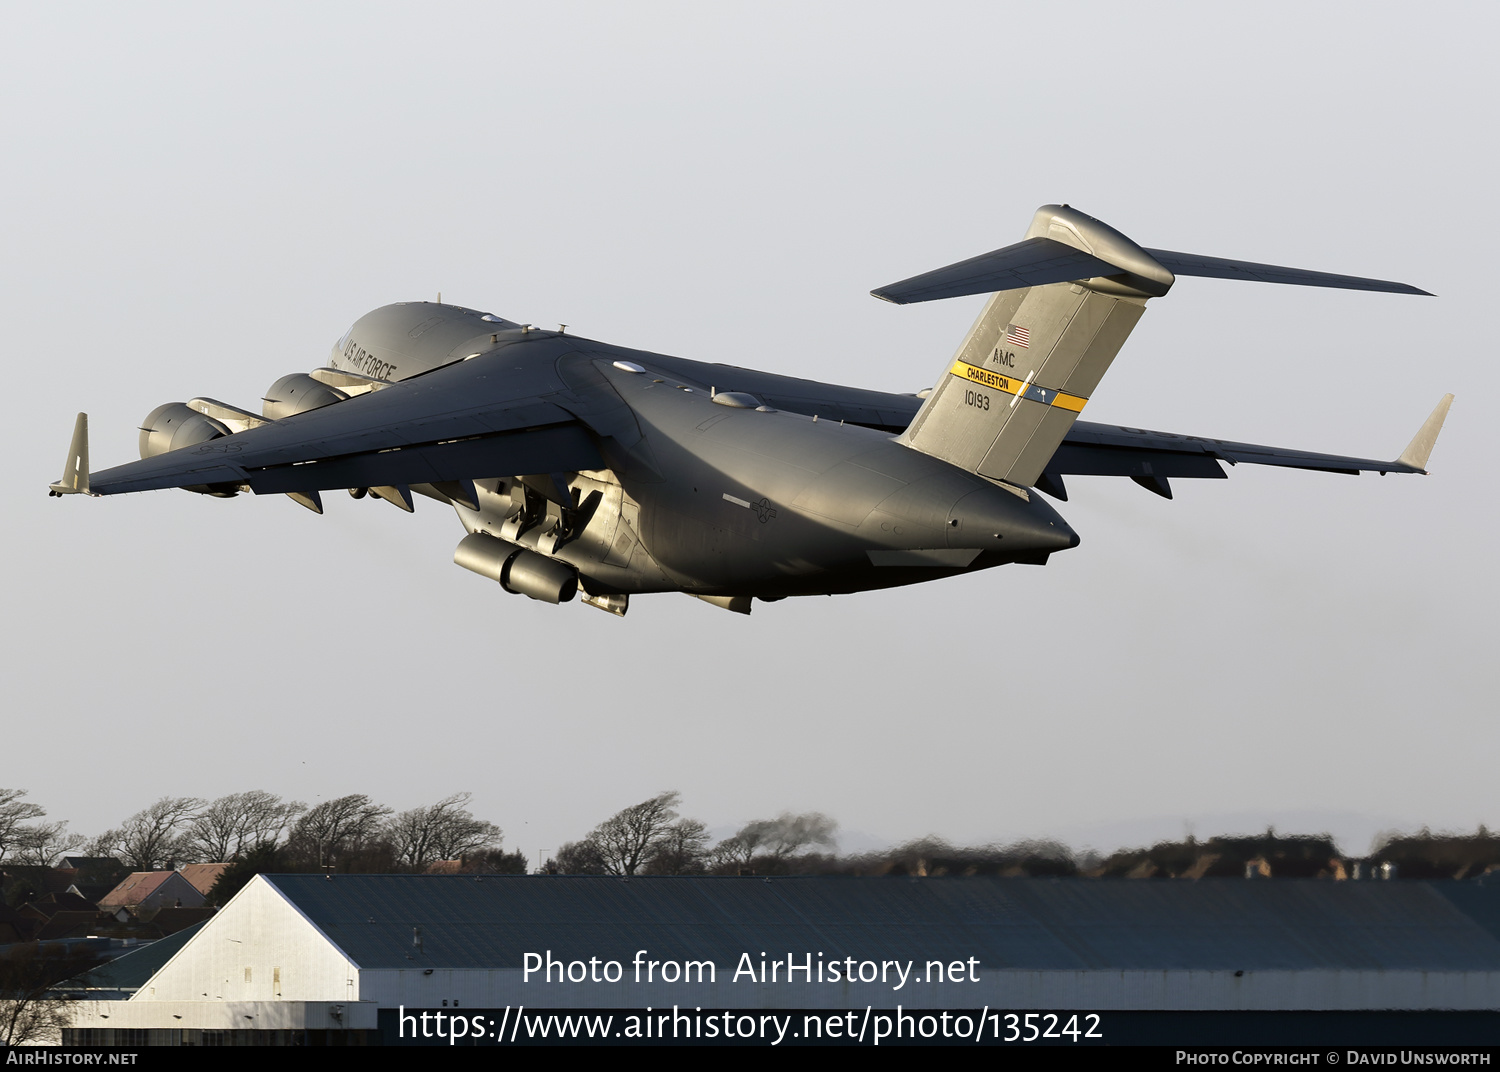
x: 1000, y: 520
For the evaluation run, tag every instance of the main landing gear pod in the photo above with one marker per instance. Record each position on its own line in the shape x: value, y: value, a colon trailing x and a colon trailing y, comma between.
x: 520, y: 571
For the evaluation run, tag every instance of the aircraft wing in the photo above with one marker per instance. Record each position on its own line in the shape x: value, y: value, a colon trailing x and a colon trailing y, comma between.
x: 1088, y: 449
x: 1113, y: 450
x: 476, y: 418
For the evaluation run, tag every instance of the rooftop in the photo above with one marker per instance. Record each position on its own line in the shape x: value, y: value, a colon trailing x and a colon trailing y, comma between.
x: 489, y: 921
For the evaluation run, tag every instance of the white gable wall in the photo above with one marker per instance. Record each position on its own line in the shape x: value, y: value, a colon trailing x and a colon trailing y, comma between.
x: 258, y: 947
x: 173, y: 889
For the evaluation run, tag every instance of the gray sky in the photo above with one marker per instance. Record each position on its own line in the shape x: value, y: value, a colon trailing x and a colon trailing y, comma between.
x: 201, y: 198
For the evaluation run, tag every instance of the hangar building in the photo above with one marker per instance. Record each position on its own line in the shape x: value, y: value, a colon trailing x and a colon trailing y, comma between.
x: 340, y: 959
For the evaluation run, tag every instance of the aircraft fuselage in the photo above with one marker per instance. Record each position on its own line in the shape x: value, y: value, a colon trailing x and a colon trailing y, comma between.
x: 709, y: 498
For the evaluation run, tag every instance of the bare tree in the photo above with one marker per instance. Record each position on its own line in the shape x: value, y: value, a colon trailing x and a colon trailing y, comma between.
x: 741, y: 849
x: 30, y: 1011
x: 793, y: 833
x: 680, y: 849
x: 100, y: 845
x: 336, y: 827
x: 446, y: 830
x: 728, y: 856
x: 776, y: 839
x: 629, y: 838
x: 233, y: 825
x: 577, y: 858
x: 41, y: 845
x: 154, y: 835
x: 14, y: 814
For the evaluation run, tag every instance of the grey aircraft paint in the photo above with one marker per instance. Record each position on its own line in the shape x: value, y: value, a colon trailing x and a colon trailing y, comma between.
x: 580, y: 467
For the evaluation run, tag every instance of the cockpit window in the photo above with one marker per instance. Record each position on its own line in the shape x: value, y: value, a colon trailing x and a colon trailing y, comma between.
x: 492, y: 318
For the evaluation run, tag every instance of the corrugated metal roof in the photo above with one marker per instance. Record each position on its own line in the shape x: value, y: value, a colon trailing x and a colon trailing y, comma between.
x: 1039, y: 924
x: 1477, y: 899
x: 131, y: 970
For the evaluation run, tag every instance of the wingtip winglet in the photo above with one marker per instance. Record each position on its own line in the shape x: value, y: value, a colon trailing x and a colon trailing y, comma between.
x: 75, y: 478
x: 1420, y: 448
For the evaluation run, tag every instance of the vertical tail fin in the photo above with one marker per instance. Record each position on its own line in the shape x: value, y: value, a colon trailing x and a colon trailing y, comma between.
x: 1035, y: 354
x: 1069, y: 295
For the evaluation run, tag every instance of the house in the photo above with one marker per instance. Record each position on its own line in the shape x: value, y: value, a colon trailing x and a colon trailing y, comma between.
x: 153, y: 889
x: 203, y: 876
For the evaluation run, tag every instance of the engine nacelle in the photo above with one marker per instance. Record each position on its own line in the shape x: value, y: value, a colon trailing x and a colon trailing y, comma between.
x: 298, y: 393
x: 531, y: 574
x: 520, y: 571
x: 173, y: 426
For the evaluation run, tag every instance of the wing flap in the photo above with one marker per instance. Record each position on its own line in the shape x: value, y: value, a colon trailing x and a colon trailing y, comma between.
x: 1073, y: 459
x: 565, y: 447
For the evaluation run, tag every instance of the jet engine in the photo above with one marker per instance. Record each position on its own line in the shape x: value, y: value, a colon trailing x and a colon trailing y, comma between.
x: 520, y: 571
x: 298, y: 393
x: 175, y: 425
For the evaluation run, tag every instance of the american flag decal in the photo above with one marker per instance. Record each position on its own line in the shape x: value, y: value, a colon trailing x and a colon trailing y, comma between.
x: 1017, y: 336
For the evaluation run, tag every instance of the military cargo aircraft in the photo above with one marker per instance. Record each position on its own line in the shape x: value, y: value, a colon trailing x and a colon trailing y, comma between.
x: 577, y: 467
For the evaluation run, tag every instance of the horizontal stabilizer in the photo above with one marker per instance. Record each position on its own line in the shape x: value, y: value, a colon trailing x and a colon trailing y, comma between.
x: 1219, y: 268
x: 1420, y: 448
x: 1032, y: 263
x: 1055, y: 250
